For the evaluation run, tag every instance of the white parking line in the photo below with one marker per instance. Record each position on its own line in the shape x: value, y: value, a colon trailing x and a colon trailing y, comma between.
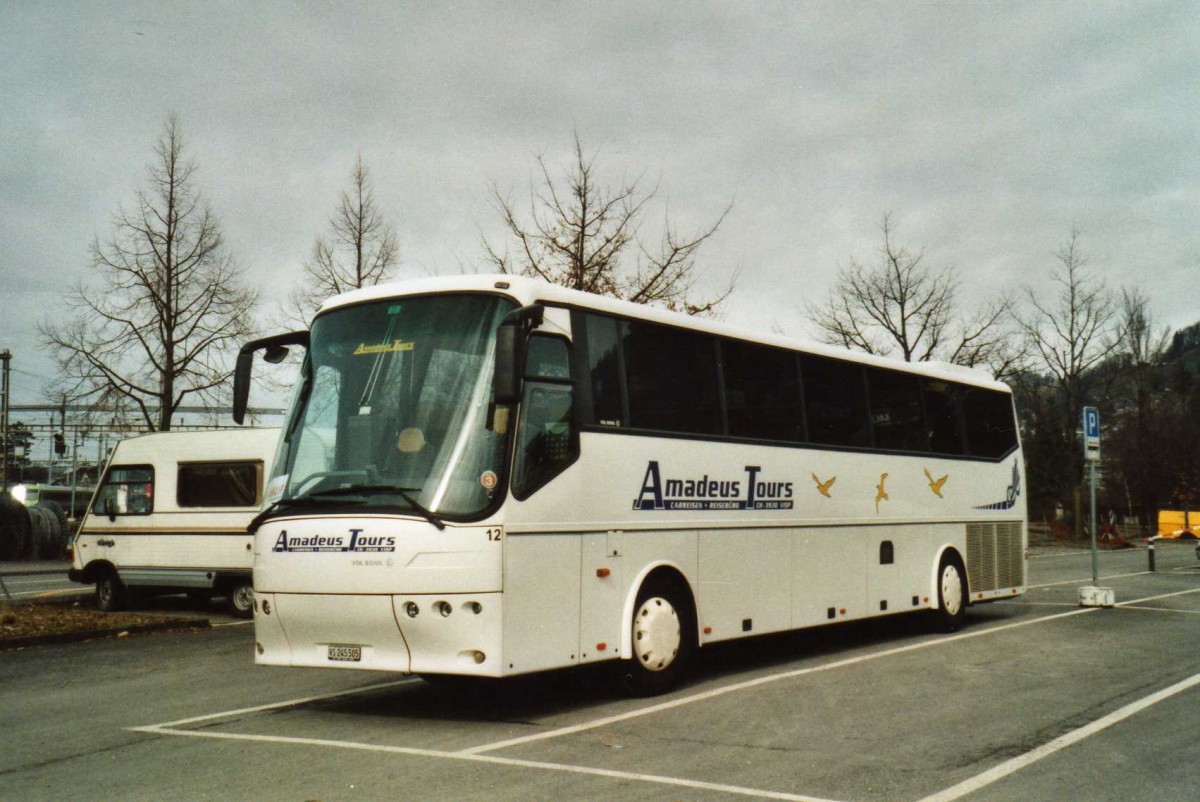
x: 754, y: 683
x: 478, y: 753
x: 273, y: 706
x: 1087, y: 581
x: 678, y: 782
x: 1058, y: 744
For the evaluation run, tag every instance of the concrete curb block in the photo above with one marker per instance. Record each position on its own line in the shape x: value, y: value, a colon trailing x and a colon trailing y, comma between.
x: 22, y: 641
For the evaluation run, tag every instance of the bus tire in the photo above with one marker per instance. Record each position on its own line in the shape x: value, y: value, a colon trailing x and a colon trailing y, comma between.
x: 240, y: 601
x: 952, y: 595
x: 111, y: 594
x: 663, y: 636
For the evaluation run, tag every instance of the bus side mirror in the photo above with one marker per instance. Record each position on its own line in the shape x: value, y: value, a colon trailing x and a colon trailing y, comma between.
x: 110, y: 508
x: 506, y: 376
x: 510, y: 351
x: 275, y: 350
x: 508, y: 364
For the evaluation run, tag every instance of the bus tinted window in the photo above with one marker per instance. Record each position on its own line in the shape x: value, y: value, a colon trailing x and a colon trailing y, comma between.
x: 943, y: 407
x: 604, y: 367
x: 991, y: 429
x: 762, y: 392
x: 835, y: 402
x: 897, y: 418
x: 671, y: 378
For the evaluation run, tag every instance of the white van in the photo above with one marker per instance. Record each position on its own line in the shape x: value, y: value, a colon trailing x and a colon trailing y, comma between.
x: 170, y: 515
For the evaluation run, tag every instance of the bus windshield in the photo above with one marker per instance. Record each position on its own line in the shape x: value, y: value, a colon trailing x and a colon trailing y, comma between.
x: 392, y: 409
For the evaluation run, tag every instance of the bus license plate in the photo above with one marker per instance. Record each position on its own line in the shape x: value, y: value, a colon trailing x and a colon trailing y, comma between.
x: 345, y: 654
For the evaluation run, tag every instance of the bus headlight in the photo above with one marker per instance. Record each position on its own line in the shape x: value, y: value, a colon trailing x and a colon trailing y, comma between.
x: 18, y: 493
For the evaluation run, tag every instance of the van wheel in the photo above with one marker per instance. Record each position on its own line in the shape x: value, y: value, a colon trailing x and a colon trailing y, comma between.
x: 240, y: 601
x: 111, y: 593
x: 952, y: 596
x: 664, y: 639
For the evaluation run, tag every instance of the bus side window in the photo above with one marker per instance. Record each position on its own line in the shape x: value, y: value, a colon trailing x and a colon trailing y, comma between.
x: 546, y: 439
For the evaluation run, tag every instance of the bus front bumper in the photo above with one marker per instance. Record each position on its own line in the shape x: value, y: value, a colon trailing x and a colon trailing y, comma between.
x: 417, y: 634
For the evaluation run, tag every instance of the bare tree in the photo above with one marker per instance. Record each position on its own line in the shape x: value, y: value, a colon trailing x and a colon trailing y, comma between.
x: 360, y: 251
x: 168, y: 305
x: 901, y: 306
x: 1141, y: 404
x: 1071, y: 333
x: 581, y: 234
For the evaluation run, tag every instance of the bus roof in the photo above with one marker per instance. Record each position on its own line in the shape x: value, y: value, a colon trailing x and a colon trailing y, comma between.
x: 526, y: 291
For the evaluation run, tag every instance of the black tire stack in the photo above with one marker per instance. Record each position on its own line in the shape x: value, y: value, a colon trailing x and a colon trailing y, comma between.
x: 14, y: 529
x: 40, y: 532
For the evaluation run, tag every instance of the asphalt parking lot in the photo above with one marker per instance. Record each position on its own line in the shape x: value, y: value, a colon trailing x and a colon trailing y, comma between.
x: 1034, y: 699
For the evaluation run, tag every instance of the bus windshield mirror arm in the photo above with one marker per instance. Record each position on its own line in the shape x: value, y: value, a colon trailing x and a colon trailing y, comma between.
x: 276, y: 351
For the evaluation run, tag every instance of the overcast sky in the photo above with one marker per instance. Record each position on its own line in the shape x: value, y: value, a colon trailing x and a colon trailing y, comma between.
x: 987, y: 130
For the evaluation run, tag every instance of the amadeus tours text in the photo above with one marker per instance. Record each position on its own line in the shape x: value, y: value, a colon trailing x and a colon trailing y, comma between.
x: 354, y: 540
x: 749, y: 490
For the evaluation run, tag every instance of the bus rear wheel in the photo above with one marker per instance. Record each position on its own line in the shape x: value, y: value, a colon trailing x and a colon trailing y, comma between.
x: 952, y: 595
x: 664, y: 639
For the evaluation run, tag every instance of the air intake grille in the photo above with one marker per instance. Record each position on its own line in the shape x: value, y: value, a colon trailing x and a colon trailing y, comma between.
x: 995, y: 557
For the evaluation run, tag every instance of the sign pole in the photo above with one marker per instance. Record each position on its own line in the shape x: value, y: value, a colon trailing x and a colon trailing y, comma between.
x: 1093, y: 596
x: 1095, y: 558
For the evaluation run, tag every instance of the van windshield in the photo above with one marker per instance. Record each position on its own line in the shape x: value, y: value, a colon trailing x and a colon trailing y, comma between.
x: 392, y: 409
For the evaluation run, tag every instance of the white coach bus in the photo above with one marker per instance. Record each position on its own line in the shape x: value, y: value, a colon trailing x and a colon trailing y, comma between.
x: 170, y: 515
x: 491, y: 476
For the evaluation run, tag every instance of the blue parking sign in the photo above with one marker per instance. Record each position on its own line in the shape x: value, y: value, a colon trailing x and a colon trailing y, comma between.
x: 1091, y: 423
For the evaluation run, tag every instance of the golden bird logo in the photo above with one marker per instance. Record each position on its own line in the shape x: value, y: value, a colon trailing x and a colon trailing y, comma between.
x: 823, y: 487
x: 936, y: 484
x: 880, y: 493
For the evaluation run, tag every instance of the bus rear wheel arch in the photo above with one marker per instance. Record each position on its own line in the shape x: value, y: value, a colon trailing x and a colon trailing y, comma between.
x: 663, y: 636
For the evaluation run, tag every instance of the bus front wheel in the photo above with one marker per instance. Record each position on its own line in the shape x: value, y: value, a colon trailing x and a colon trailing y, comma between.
x: 664, y: 638
x: 952, y: 595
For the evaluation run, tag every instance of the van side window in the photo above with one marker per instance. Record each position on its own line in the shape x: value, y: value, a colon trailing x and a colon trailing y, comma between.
x: 219, y: 484
x: 127, y: 490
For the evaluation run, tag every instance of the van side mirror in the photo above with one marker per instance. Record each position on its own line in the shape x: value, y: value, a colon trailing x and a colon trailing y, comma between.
x: 275, y: 349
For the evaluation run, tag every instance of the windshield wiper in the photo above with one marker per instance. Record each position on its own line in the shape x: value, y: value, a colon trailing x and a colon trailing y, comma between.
x: 275, y: 506
x: 382, y: 490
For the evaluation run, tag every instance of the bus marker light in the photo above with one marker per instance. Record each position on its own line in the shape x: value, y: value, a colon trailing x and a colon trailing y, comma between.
x: 266, y: 607
x: 444, y: 608
x: 601, y: 647
x: 480, y: 657
x: 412, y: 609
x: 258, y: 647
x: 603, y: 572
x: 842, y: 611
x: 708, y: 630
x: 475, y: 607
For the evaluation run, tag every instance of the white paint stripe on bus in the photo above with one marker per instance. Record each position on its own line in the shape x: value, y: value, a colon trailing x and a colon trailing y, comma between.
x: 1058, y: 744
